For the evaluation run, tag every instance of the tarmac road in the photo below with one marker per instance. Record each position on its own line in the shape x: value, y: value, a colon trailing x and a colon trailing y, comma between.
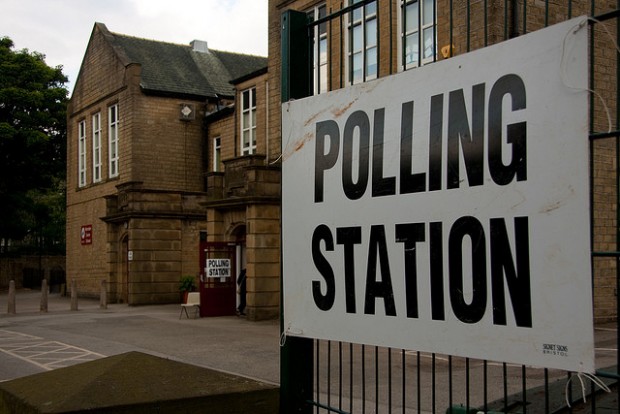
x: 31, y: 341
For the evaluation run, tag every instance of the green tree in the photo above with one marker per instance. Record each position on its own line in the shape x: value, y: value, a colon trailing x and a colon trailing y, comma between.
x: 33, y: 102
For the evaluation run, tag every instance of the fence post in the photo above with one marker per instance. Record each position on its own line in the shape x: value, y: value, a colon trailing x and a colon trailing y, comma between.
x: 11, y: 306
x: 44, y: 291
x: 296, y: 354
x: 103, y: 296
x: 74, y: 298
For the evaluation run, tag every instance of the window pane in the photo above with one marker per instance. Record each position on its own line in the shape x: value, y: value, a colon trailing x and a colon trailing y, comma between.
x: 246, y: 120
x: 253, y: 98
x: 428, y: 11
x: 411, y: 49
x: 253, y: 118
x: 357, y: 38
x: 411, y: 17
x: 371, y: 8
x: 323, y: 79
x: 323, y: 51
x: 246, y: 139
x: 371, y: 32
x: 357, y: 68
x: 246, y: 99
x: 428, y: 43
x: 322, y: 13
x: 371, y: 62
x: 357, y: 13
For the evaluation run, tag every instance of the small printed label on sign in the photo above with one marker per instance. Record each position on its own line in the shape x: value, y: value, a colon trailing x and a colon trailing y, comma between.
x: 555, y: 349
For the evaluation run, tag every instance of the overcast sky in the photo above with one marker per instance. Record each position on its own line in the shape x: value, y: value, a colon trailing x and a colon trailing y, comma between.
x: 60, y: 29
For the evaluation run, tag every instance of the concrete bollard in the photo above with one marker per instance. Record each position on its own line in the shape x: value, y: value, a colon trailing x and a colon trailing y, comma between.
x: 74, y: 298
x: 11, y: 307
x: 103, y: 297
x: 44, y: 296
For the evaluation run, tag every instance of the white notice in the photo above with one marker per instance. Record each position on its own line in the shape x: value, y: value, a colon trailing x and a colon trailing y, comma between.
x: 446, y: 209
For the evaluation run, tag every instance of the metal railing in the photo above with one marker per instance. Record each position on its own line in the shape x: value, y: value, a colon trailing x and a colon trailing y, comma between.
x: 335, y: 377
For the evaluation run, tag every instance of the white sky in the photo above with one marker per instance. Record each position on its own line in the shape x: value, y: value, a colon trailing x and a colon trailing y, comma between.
x: 60, y: 29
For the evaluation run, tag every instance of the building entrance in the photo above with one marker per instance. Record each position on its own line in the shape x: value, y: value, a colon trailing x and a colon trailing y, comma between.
x: 218, y: 270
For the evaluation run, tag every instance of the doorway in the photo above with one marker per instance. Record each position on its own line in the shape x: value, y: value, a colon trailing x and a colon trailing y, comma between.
x: 218, y: 269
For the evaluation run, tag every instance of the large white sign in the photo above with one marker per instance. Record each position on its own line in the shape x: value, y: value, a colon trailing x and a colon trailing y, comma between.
x: 445, y: 209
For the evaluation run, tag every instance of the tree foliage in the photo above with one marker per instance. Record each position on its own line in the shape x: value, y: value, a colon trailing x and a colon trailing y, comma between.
x: 33, y: 101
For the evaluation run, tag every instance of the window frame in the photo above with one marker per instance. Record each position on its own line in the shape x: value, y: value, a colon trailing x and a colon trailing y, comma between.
x: 422, y: 26
x: 82, y: 173
x: 113, y: 141
x: 248, y: 121
x: 320, y: 63
x: 97, y: 147
x: 217, y: 153
x: 353, y: 22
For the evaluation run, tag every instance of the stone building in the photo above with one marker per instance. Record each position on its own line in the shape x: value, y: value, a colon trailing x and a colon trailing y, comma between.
x: 384, y: 37
x: 138, y: 154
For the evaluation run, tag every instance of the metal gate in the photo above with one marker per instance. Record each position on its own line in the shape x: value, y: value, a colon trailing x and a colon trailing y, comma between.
x: 335, y: 377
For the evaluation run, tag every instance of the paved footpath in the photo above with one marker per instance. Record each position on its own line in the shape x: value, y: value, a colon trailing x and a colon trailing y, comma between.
x: 31, y: 341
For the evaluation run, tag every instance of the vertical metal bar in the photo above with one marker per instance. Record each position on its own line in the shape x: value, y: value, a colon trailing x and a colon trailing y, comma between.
x: 451, y: 26
x: 468, y: 25
x: 569, y: 392
x: 391, y: 39
x: 505, y: 19
x: 617, y: 194
x: 402, y: 34
x: 524, y: 388
x: 505, y: 387
x: 450, y: 384
x: 435, y: 32
x: 524, y: 17
x: 466, y: 384
x: 434, y: 394
x: 389, y: 380
x: 296, y: 365
x: 364, y: 59
x: 418, y: 382
x: 329, y: 373
x: 348, y: 51
x: 376, y: 379
x: 546, y: 13
x: 329, y: 52
x: 340, y: 390
x: 363, y: 379
x: 403, y: 366
x: 377, y: 33
x: 295, y: 58
x: 351, y: 378
x: 547, y: 390
x: 486, y: 24
x: 592, y: 147
x: 570, y: 9
x: 342, y: 53
x: 317, y: 376
x: 485, y: 377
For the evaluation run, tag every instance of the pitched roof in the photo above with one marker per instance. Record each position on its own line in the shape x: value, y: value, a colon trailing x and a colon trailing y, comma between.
x: 174, y: 69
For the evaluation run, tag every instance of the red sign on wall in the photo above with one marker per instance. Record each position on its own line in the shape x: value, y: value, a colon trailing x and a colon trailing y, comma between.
x: 86, y: 234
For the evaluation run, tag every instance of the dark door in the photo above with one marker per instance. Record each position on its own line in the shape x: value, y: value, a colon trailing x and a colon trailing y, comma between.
x: 218, y: 277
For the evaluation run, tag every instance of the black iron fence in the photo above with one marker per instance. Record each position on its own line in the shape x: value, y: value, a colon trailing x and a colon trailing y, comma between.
x: 326, y: 376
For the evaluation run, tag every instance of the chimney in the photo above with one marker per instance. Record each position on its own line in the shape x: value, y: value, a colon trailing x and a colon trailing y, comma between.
x: 199, y: 46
